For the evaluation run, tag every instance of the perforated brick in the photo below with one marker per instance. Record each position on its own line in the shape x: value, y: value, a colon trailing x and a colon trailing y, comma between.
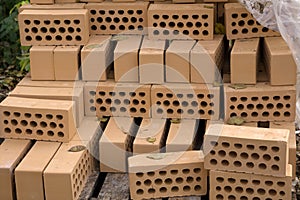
x: 126, y: 57
x: 29, y: 173
x: 26, y: 81
x: 261, y: 102
x: 115, y: 140
x: 12, y: 152
x: 229, y: 185
x: 117, y: 99
x: 184, y: 21
x: 75, y: 94
x: 68, y: 171
x: 246, y: 149
x: 57, y: 6
x: 39, y: 55
x: 241, y: 24
x: 96, y: 57
x: 190, y: 101
x: 181, y: 136
x: 42, y: 1
x: 292, y: 138
x: 244, y: 59
x: 151, y: 61
x: 279, y: 60
x: 175, y: 174
x: 177, y: 60
x: 207, y: 58
x: 54, y: 27
x: 114, y: 18
x: 151, y: 136
x: 38, y: 119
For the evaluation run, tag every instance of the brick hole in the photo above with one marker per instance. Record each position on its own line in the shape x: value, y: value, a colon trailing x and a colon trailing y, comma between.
x: 139, y: 12
x: 49, y: 37
x: 234, y: 31
x: 241, y: 23
x: 245, y: 31
x: 158, y: 181
x: 211, y: 104
x: 27, y: 22
x: 276, y: 158
x: 155, y: 16
x: 171, y: 24
x: 205, y: 24
x: 190, y: 111
x: 189, y: 179
x: 17, y: 114
x: 34, y: 29
x: 237, y: 163
x: 59, y: 117
x: 168, y: 181
x: 186, y: 171
x: 213, y: 162
x: 203, y: 104
x: 243, y: 181
x: 162, y: 24
x: 108, y: 101
x: 262, y: 166
x: 220, y: 179
x: 254, y: 114
x: 138, y: 183
x: 93, y: 20
x: 254, y: 98
x: 103, y: 27
x: 276, y: 98
x: 174, y: 189
x: 24, y: 123
x: 244, y: 155
x: 189, y: 24
x: 279, y: 106
x: 198, y: 179
x: 249, y: 191
x: 102, y: 93
x: 130, y: 12
x: 240, y: 107
x: 282, y: 193
x: 43, y: 124
x: 174, y: 172
x: 256, y: 182
x: 244, y: 114
x: 281, y: 184
x: 60, y: 134
x: 205, y: 32
x: 116, y: 20
x: 122, y: 27
x: 93, y: 108
x: 227, y: 189
x: 244, y: 15
x: 185, y: 103
x: 218, y: 188
x: 53, y: 125
x: 39, y: 132
x: 196, y: 32
x: 102, y: 108
x: 266, y: 157
x: 272, y: 192
x: 232, y: 154
x: 47, y: 22
x: 6, y: 113
x: 151, y: 191
x: 7, y: 130
x: 50, y: 133
x: 214, y: 143
x: 186, y: 188
x: 28, y: 131
x: 197, y: 188
x: 275, y: 167
x: 287, y: 114
x: 62, y: 30
x: 255, y: 156
x: 201, y: 112
x: 36, y: 22
x: 233, y: 99
x: 117, y: 101
x: 265, y: 114
x: 5, y: 122
x: 150, y: 173
x: 212, y: 152
x: 244, y: 99
x: 250, y: 22
x: 198, y: 24
x: 180, y: 24
x: 14, y: 122
x: 210, y: 96
x: 255, y: 198
x: 67, y: 22
x: 233, y: 23
x: 159, y: 111
x: 70, y: 30
x: 170, y: 111
x: 53, y: 30
x: 147, y: 182
x: 120, y: 12
x: 219, y: 197
x: 197, y: 170
x: 276, y: 114
x: 225, y: 144
x: 250, y: 146
x: 250, y: 164
x: 132, y: 94
x: 222, y: 153
x: 238, y: 145
x: 112, y: 27
x: 33, y: 124
x: 163, y: 190
x: 231, y: 197
x: 225, y: 163
x: 140, y: 192
x: 265, y: 29
x: 78, y: 38
x: 239, y: 189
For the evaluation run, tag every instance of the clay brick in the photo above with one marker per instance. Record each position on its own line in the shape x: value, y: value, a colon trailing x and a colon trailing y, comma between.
x: 29, y: 173
x: 181, y: 136
x: 261, y: 102
x: 57, y: 6
x: 114, y: 18
x: 279, y: 60
x: 41, y: 63
x: 151, y: 136
x: 151, y: 61
x: 292, y: 139
x: 244, y: 60
x: 246, y: 149
x: 26, y: 81
x: 192, y: 101
x: 183, y: 1
x: 241, y: 24
x: 68, y: 171
x: 53, y: 27
x: 114, y: 140
x: 229, y: 185
x: 117, y: 99
x: 66, y: 63
x: 38, y: 119
x: 42, y: 2
x: 175, y: 174
x: 126, y: 57
x: 207, y: 58
x: 66, y: 1
x: 12, y: 152
x: 178, y: 61
x: 184, y: 21
x: 96, y: 57
x: 72, y: 94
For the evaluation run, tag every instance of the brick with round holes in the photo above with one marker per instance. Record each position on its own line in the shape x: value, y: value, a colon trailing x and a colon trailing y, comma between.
x: 246, y: 149
x: 112, y: 18
x: 261, y: 102
x: 54, y: 27
x: 39, y: 119
x: 234, y: 185
x: 241, y: 24
x: 167, y: 175
x: 181, y: 21
x: 188, y: 101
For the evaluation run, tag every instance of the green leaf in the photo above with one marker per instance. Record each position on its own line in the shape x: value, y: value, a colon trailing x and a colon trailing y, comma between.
x: 157, y: 156
x: 237, y: 86
x: 77, y: 148
x: 235, y: 121
x: 151, y: 139
x: 175, y: 121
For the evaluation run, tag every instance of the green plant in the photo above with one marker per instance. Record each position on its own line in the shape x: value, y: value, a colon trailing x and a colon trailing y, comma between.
x: 11, y: 52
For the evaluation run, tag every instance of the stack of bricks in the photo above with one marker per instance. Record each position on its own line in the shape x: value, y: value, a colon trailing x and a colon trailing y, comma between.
x: 247, y: 162
x: 148, y: 72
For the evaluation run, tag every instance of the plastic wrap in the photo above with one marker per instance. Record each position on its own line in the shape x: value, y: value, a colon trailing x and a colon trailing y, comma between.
x: 282, y: 16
